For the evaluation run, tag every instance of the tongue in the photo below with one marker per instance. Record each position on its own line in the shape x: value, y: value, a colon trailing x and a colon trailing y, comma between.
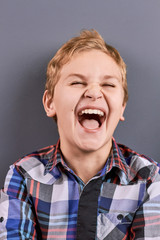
x: 90, y: 123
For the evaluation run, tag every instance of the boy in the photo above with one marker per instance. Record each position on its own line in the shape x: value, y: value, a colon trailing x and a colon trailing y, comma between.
x: 86, y: 186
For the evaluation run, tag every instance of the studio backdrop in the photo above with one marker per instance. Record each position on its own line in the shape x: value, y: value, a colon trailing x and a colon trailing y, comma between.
x: 32, y: 31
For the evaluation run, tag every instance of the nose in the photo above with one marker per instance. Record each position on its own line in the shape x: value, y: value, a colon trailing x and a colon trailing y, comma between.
x: 94, y: 92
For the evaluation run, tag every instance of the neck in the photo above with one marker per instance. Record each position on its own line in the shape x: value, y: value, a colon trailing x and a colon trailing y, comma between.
x: 86, y: 164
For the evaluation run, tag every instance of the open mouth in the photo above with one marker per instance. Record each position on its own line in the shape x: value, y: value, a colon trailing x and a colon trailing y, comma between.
x: 91, y: 118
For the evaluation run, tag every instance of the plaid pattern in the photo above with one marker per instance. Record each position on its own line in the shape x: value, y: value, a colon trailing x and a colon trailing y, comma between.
x: 41, y: 196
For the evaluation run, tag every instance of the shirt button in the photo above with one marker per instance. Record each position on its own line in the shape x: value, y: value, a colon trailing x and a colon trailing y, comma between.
x: 120, y: 217
x: 1, y: 219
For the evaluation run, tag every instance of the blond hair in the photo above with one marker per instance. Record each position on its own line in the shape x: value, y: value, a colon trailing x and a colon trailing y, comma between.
x: 87, y: 40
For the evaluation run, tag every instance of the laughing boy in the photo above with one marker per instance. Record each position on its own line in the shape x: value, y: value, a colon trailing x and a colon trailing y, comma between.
x: 87, y: 186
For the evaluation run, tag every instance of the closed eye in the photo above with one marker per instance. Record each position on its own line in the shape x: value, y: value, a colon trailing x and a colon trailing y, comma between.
x: 108, y: 85
x: 78, y: 83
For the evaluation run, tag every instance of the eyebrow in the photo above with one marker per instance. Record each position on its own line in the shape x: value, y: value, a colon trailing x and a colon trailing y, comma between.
x: 76, y: 75
x: 105, y: 77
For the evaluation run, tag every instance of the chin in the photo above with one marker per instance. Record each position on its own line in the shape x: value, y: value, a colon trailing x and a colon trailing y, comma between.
x: 91, y: 146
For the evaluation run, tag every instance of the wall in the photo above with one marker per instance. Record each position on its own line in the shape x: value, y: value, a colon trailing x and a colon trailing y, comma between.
x: 32, y: 30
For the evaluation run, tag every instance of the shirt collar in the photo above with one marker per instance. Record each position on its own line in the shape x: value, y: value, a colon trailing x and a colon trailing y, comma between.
x: 55, y: 158
x: 115, y: 160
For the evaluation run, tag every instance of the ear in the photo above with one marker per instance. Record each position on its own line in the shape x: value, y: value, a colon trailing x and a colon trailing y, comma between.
x: 48, y: 104
x: 122, y: 114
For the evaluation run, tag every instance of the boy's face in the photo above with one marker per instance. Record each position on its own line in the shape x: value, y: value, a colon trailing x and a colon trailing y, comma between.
x: 88, y: 101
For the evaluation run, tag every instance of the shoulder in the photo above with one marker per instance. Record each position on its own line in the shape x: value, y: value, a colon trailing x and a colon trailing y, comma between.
x: 141, y: 167
x: 30, y: 167
x: 33, y: 165
x: 36, y: 158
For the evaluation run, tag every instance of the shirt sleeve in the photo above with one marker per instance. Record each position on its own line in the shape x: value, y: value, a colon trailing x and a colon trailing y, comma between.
x: 17, y: 220
x: 146, y: 224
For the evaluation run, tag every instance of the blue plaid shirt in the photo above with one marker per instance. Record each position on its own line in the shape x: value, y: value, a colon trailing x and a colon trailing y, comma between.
x: 44, y: 199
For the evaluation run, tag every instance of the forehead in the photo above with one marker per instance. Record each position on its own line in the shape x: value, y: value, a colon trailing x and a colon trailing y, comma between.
x: 91, y: 63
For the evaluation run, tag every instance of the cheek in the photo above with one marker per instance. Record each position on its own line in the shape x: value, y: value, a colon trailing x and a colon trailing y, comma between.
x: 115, y: 104
x: 113, y: 101
x: 64, y: 107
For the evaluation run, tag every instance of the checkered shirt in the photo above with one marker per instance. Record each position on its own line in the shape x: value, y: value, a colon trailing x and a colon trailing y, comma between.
x: 44, y: 199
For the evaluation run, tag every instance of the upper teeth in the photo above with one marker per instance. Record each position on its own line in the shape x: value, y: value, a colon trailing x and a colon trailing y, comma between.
x: 92, y: 111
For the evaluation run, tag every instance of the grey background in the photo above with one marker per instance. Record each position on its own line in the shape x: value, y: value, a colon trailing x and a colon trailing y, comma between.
x: 30, y: 33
